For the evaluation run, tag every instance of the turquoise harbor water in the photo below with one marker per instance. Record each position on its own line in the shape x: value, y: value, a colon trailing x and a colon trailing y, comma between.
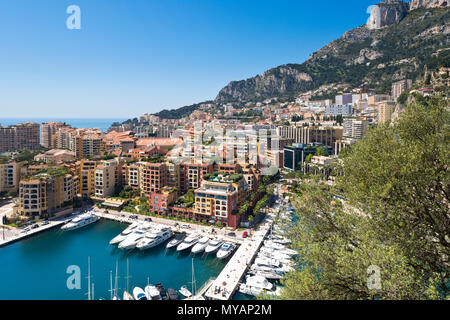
x: 35, y: 268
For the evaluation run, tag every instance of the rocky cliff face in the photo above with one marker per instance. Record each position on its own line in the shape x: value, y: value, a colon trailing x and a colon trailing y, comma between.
x: 278, y: 81
x: 416, y: 4
x: 376, y: 56
x: 387, y: 13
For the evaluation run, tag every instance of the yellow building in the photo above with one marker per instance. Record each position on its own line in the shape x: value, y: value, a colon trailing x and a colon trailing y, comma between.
x: 385, y: 111
x: 9, y: 176
x: 44, y: 194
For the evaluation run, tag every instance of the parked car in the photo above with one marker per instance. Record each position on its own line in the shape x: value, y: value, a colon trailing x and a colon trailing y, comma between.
x: 25, y: 230
x: 245, y: 234
x: 45, y: 223
x: 185, y: 226
x: 133, y: 216
x: 106, y: 211
x: 148, y: 219
x: 232, y: 234
x: 34, y: 226
x: 176, y: 224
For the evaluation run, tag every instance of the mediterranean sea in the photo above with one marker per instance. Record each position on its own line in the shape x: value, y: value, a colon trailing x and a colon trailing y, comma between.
x: 100, y: 123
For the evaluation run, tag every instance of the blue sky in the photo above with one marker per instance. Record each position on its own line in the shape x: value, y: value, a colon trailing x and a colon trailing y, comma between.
x: 137, y: 56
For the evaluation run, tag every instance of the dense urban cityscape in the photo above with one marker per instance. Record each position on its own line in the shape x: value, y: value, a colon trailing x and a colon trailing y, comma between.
x: 334, y: 191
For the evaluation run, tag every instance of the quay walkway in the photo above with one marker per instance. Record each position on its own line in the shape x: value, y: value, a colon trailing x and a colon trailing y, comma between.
x: 18, y: 235
x: 224, y: 287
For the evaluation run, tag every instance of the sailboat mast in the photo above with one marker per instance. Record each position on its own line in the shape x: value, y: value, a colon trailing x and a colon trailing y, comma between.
x: 128, y: 276
x: 194, y: 287
x: 110, y: 283
x: 89, y: 278
x: 115, y: 282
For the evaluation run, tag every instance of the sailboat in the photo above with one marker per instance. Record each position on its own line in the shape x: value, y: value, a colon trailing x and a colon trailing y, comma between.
x: 89, y: 278
x: 116, y: 289
x: 126, y: 294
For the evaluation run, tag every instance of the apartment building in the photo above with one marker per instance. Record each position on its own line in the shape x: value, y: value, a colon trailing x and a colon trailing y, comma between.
x: 295, y: 155
x: 339, y: 109
x: 217, y: 201
x: 87, y: 177
x: 191, y: 174
x: 43, y: 195
x: 108, y: 176
x: 49, y: 132
x: 400, y: 86
x: 87, y: 143
x: 20, y: 136
x: 9, y: 176
x: 153, y: 178
x: 355, y: 127
x: 160, y: 202
x: 385, y: 111
x: 306, y: 135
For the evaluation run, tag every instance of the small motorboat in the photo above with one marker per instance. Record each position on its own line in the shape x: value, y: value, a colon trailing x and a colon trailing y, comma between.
x: 176, y: 241
x: 152, y: 293
x: 139, y: 294
x: 185, y: 292
x: 225, y: 250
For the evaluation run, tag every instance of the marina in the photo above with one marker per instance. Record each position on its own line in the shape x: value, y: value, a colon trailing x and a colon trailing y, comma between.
x: 37, y: 266
x: 227, y: 267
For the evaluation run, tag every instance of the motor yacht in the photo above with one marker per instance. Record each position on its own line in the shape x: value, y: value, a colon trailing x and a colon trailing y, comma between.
x: 152, y: 239
x: 176, y: 241
x: 132, y: 239
x: 200, y: 245
x: 188, y: 242
x: 213, y: 245
x: 121, y: 236
x: 80, y: 221
x: 225, y: 250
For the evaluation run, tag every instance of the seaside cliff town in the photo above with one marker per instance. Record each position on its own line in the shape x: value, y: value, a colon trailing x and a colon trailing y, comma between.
x: 237, y: 165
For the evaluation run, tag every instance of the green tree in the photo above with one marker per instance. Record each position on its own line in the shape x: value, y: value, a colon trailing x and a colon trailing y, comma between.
x: 395, y: 216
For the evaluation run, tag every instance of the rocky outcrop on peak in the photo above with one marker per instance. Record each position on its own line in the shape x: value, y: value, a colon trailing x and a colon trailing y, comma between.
x: 283, y: 80
x: 387, y: 13
x: 427, y: 4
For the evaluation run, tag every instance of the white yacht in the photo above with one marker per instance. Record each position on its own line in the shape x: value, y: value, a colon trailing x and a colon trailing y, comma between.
x: 132, y: 239
x: 286, y: 251
x: 256, y: 285
x: 276, y: 271
x: 152, y: 293
x: 276, y: 255
x: 80, y: 221
x: 225, y: 250
x: 121, y: 236
x: 176, y: 241
x: 213, y: 245
x: 185, y: 292
x: 200, y: 245
x: 152, y: 239
x: 139, y: 294
x: 188, y: 242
